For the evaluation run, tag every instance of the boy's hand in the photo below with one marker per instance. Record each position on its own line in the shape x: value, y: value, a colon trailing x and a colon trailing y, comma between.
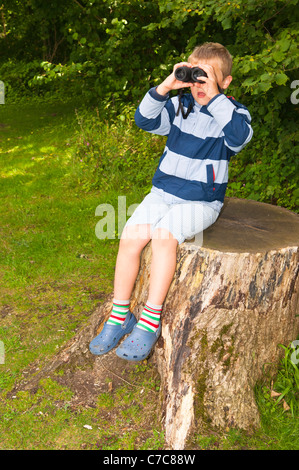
x: 210, y: 87
x: 171, y: 83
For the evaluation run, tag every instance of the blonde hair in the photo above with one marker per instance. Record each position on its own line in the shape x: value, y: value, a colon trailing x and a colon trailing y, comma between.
x: 212, y: 50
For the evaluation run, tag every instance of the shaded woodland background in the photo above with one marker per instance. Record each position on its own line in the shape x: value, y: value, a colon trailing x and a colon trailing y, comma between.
x: 108, y: 53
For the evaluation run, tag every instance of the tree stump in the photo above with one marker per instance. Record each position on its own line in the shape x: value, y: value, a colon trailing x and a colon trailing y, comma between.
x: 232, y: 301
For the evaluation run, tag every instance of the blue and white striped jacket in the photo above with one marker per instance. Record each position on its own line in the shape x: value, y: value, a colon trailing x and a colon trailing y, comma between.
x: 194, y: 164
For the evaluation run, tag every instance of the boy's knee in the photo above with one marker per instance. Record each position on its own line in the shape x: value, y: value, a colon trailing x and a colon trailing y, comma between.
x: 162, y: 238
x: 134, y: 238
x: 137, y: 232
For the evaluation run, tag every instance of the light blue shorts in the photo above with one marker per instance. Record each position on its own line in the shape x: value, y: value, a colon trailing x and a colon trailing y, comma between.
x: 183, y: 220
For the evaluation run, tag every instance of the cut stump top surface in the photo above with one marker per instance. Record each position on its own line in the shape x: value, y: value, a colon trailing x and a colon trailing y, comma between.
x: 250, y: 226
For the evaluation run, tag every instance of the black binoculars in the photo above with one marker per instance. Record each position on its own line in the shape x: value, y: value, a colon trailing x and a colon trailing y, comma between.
x: 189, y: 74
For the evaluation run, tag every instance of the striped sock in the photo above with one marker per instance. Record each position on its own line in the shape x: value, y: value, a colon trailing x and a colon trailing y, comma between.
x: 150, y: 317
x: 119, y: 312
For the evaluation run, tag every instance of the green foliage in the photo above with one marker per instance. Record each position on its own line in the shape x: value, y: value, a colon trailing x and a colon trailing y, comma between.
x: 16, y: 76
x: 122, y: 47
x: 111, y: 51
x: 115, y: 154
x: 267, y: 170
x: 287, y: 380
x: 278, y: 401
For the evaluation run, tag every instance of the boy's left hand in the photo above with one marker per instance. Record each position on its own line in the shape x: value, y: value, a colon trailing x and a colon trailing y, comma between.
x: 210, y: 87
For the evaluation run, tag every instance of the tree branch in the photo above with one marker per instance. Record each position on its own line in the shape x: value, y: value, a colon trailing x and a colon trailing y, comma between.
x: 275, y: 14
x: 3, y: 21
x: 83, y: 8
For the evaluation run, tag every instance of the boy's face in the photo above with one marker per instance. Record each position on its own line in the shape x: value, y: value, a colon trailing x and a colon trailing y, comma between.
x: 213, y: 69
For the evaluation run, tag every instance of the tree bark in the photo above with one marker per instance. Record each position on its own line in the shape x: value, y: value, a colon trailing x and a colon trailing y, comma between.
x: 233, y: 300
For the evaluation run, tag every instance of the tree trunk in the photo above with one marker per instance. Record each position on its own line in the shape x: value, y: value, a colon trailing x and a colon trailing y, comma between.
x: 233, y: 300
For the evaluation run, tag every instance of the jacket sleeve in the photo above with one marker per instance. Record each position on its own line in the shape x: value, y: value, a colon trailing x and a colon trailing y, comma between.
x: 155, y: 113
x: 234, y: 120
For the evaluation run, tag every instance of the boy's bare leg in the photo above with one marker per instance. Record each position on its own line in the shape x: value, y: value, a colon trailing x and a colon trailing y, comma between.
x: 133, y: 240
x: 121, y: 321
x: 163, y: 265
x: 142, y: 339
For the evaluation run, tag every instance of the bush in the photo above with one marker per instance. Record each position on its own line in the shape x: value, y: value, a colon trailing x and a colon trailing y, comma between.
x: 37, y: 80
x: 114, y: 155
x: 16, y: 76
x: 283, y: 391
x: 267, y: 170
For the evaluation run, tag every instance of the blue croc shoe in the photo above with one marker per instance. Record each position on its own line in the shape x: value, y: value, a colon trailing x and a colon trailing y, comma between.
x: 138, y: 345
x: 110, y: 335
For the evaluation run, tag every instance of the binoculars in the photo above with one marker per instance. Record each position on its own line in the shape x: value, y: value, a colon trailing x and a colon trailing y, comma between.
x: 189, y: 74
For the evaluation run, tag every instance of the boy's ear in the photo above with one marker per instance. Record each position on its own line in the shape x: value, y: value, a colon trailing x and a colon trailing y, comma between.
x: 226, y: 82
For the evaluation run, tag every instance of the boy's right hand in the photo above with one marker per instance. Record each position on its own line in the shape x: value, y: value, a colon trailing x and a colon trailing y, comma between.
x: 171, y: 83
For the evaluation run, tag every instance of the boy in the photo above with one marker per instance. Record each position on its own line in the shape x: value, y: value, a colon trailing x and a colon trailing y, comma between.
x: 204, y: 129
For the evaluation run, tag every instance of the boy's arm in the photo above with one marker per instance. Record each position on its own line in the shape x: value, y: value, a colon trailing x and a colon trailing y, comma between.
x: 156, y: 111
x: 234, y: 119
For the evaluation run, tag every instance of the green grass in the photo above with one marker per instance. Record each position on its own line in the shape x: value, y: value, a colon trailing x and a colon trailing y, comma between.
x: 46, y: 224
x: 54, y: 271
x: 48, y: 420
